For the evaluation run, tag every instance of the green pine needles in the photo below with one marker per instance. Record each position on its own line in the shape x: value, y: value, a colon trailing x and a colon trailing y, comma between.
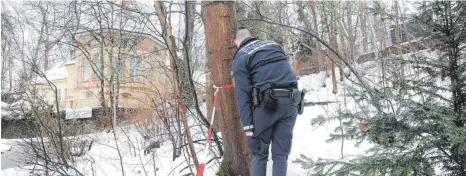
x: 415, y: 118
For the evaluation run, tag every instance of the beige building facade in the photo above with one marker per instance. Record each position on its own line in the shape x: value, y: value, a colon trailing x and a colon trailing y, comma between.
x: 136, y: 62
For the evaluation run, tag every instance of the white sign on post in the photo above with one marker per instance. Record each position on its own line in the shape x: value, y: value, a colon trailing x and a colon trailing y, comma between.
x: 81, y: 113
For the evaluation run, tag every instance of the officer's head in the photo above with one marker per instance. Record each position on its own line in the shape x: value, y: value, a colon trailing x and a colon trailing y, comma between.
x: 241, y: 35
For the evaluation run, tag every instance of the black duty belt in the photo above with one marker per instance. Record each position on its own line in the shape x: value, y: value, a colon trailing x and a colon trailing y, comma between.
x: 294, y: 94
x: 282, y: 93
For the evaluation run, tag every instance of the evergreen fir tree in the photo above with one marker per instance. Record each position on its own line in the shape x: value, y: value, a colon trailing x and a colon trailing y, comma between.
x: 416, y: 127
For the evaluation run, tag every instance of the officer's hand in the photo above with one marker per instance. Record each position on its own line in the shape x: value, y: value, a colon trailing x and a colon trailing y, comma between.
x: 249, y: 133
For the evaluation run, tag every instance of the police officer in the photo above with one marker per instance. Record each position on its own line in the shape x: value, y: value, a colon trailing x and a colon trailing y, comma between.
x: 266, y: 91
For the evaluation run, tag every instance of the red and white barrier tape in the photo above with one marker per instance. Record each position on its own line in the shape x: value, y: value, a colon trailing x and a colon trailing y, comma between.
x: 200, y: 170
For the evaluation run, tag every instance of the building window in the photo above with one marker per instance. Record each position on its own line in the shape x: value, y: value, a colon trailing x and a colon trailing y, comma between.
x: 106, y: 68
x: 157, y: 51
x: 135, y: 67
x: 120, y: 67
x: 85, y: 70
x: 92, y: 43
x: 59, y: 95
x: 89, y: 94
x: 98, y: 65
x: 50, y: 95
x: 65, y: 93
x: 149, y: 71
x: 133, y: 43
x: 76, y: 74
x: 128, y: 43
x: 124, y: 43
x: 72, y: 54
x: 40, y: 93
x: 89, y: 43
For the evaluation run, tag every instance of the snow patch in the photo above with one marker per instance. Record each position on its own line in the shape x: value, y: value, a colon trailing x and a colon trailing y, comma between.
x: 56, y: 73
x: 199, y: 77
x: 5, y: 147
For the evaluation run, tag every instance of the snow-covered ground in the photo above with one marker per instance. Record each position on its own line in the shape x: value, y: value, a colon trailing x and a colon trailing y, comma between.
x: 103, y: 158
x: 310, y: 141
x: 12, y: 155
x: 5, y: 147
x: 4, y: 106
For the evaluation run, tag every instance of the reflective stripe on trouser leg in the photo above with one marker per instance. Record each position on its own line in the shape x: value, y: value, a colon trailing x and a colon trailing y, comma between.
x: 250, y: 127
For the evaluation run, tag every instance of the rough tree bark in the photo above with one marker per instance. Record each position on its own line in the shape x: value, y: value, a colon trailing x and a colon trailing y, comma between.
x: 220, y: 27
x: 172, y: 53
x: 187, y: 44
x: 209, y: 99
x: 209, y: 91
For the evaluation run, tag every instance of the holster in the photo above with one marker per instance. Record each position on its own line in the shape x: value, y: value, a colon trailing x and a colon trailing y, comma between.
x: 270, y: 102
x: 258, y: 93
x: 301, y: 101
x: 264, y: 94
x: 256, y: 98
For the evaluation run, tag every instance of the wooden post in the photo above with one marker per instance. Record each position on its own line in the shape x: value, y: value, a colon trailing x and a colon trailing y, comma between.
x: 172, y: 53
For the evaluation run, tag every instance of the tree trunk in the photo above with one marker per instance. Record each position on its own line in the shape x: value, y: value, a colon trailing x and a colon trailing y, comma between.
x: 189, y: 18
x: 46, y: 44
x: 349, y: 28
x: 324, y: 18
x: 167, y: 31
x: 398, y: 34
x: 318, y: 52
x: 220, y: 27
x: 102, y: 69
x: 342, y: 47
x: 362, y: 16
x: 333, y: 44
x: 10, y: 68
x: 209, y: 91
x: 4, y: 59
x: 209, y: 99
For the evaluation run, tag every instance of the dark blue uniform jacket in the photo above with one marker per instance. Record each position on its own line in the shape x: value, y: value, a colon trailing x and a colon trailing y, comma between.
x: 279, y: 74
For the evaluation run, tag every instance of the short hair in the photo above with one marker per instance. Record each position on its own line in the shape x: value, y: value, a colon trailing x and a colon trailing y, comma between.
x: 242, y: 34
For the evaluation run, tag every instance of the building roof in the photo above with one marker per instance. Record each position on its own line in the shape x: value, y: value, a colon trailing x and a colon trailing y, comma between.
x: 56, y: 73
x: 69, y: 62
x: 157, y: 39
